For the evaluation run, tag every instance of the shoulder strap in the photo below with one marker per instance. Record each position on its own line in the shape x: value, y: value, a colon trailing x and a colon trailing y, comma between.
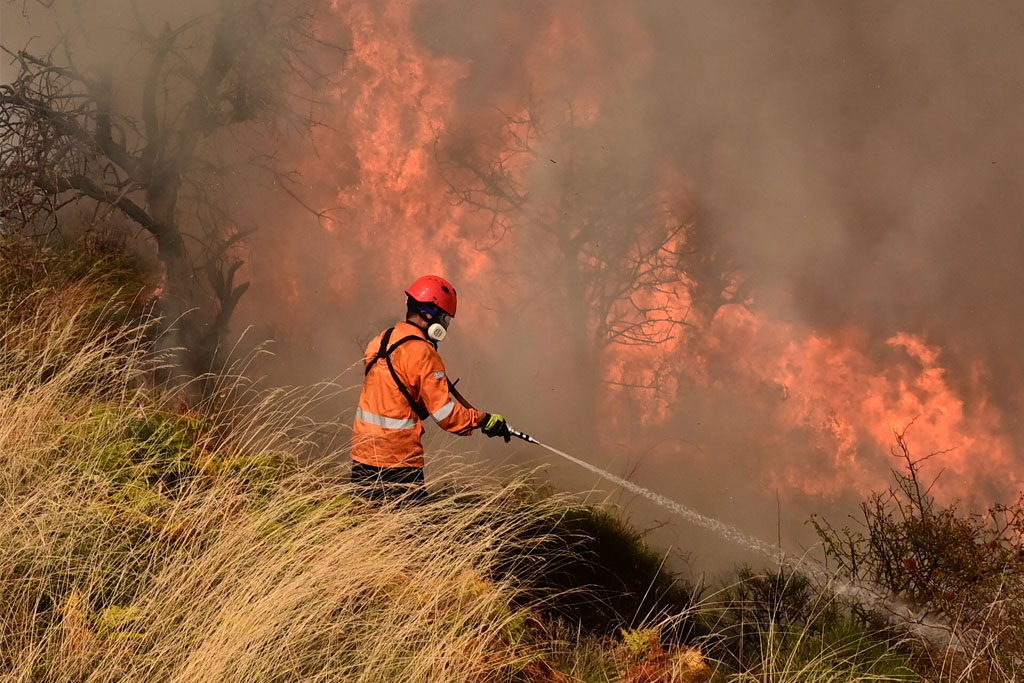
x: 381, y: 350
x: 385, y: 352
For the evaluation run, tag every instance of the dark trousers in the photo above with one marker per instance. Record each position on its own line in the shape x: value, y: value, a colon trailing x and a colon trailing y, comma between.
x: 389, y: 484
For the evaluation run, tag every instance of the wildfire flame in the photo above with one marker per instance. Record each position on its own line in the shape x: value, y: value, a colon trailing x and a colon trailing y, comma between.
x: 837, y: 390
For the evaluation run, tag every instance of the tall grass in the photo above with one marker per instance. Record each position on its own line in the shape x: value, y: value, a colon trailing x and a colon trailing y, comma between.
x: 129, y: 552
x: 141, y: 544
x: 140, y: 540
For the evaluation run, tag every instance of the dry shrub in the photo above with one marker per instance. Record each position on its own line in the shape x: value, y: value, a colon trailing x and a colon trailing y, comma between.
x: 963, y: 570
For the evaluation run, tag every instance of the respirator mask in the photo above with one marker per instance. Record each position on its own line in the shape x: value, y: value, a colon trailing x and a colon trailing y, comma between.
x: 438, y: 329
x: 438, y: 322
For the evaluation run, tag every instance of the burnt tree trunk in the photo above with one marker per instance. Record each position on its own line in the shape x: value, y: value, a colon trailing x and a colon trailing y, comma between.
x: 180, y: 297
x: 586, y: 358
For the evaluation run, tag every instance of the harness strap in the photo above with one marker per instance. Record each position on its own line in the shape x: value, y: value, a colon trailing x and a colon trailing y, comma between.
x: 385, y: 352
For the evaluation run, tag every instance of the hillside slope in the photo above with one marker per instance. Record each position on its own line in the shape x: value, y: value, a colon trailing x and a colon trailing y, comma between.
x: 145, y: 541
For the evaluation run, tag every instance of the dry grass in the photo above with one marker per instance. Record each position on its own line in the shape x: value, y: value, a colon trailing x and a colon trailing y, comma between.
x: 245, y: 596
x: 137, y: 544
x: 142, y: 542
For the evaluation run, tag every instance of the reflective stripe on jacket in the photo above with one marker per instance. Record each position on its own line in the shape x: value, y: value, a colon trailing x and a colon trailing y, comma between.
x: 387, y: 431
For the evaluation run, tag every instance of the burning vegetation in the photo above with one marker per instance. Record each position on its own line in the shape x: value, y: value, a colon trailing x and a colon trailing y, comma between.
x: 556, y: 162
x: 149, y: 541
x: 730, y: 250
x: 565, y: 161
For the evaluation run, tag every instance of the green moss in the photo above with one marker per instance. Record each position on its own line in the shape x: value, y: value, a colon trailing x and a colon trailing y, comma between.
x: 138, y: 452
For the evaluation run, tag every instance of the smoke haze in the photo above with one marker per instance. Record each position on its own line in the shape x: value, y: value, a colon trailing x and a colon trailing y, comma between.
x: 854, y: 166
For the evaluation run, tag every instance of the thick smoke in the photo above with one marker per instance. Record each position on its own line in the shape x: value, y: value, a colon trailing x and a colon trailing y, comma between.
x: 854, y: 162
x: 860, y: 156
x: 856, y: 157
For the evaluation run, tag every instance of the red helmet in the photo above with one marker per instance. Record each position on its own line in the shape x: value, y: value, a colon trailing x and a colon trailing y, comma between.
x: 432, y: 289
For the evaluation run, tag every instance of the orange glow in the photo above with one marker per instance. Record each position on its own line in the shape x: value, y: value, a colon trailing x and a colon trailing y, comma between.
x: 831, y: 387
x: 836, y: 393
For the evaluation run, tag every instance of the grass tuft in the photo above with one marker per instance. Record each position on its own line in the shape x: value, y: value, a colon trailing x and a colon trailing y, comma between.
x: 144, y: 541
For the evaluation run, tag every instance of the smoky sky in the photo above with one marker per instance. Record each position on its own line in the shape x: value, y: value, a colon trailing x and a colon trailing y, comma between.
x: 862, y: 160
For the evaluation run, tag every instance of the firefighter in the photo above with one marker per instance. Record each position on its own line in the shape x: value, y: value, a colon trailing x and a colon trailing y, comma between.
x: 406, y: 383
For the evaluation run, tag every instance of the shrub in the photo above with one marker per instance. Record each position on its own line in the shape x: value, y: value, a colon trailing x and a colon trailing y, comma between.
x: 596, y: 572
x: 966, y: 569
x: 780, y: 625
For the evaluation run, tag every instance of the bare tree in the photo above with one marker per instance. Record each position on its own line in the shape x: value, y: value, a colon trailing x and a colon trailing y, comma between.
x: 628, y: 253
x: 154, y: 150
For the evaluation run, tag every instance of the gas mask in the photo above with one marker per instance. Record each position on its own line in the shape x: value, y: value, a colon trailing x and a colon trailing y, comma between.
x: 438, y: 328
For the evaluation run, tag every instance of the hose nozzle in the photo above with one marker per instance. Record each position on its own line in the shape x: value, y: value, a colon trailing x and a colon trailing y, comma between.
x: 520, y: 435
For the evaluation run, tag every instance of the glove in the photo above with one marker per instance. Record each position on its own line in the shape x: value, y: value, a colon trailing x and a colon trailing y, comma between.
x: 494, y: 425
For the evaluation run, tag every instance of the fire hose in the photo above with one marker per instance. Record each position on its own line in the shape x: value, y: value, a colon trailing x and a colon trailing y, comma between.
x: 872, y: 596
x: 728, y: 532
x: 869, y: 595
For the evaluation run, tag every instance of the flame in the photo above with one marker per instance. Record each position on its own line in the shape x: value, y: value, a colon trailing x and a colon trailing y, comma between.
x: 401, y: 101
x: 837, y: 393
x: 831, y: 388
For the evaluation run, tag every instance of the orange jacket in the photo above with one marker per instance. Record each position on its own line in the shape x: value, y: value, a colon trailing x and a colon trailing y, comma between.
x: 387, y: 431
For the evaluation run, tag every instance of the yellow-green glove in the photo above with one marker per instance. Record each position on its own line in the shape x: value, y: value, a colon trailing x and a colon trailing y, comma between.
x: 494, y: 424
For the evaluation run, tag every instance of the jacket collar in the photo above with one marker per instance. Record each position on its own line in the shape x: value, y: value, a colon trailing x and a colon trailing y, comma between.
x: 406, y: 328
